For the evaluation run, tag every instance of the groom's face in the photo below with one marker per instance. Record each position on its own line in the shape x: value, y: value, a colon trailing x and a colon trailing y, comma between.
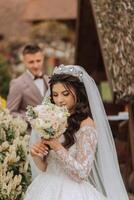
x: 34, y: 62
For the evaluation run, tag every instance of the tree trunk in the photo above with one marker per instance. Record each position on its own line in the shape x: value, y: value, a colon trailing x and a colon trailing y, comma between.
x: 131, y: 130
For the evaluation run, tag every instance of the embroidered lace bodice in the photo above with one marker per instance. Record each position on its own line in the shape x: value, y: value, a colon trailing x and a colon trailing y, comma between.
x: 77, y: 161
x: 66, y: 176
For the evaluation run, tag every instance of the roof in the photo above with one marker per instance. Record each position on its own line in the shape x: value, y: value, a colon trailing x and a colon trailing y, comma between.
x: 50, y: 9
x: 11, y: 23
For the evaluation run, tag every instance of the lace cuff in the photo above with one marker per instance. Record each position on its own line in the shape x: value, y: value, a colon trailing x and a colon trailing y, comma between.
x: 79, y: 167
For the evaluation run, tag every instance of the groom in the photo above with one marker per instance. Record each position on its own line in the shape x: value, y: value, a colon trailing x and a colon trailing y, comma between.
x: 31, y: 86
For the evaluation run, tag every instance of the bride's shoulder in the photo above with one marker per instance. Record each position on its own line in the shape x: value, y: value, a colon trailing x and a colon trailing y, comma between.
x: 87, y: 122
x: 87, y: 128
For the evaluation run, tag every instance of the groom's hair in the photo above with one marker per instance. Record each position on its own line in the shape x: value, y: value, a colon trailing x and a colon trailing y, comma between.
x: 31, y: 49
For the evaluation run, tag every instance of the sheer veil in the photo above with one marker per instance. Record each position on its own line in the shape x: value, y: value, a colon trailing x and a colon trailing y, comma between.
x: 105, y: 173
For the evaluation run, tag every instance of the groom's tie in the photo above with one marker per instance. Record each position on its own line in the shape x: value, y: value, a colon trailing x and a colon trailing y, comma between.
x: 37, y: 77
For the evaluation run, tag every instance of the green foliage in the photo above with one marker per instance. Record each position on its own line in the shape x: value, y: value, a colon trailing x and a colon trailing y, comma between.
x: 5, y: 76
x: 51, y: 31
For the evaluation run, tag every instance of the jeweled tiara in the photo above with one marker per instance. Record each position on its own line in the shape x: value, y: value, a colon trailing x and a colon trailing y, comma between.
x: 74, y: 70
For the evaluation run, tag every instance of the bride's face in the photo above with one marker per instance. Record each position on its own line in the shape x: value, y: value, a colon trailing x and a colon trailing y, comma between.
x: 62, y: 96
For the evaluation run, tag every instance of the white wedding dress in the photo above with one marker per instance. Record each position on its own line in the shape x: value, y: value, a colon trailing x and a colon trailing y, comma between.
x: 67, y: 173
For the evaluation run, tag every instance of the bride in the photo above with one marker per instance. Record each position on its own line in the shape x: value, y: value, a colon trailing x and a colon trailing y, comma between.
x: 81, y: 164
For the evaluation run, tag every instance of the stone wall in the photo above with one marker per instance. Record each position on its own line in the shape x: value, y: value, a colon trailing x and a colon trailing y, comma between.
x: 115, y: 23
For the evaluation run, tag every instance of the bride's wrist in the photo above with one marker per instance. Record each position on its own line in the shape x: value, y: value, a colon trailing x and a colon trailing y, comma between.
x: 58, y: 147
x: 41, y: 156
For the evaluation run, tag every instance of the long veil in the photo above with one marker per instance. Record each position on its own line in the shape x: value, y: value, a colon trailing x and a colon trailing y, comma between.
x: 105, y: 173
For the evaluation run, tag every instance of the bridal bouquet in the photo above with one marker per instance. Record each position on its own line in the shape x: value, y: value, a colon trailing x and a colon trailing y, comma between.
x: 48, y: 119
x: 15, y: 172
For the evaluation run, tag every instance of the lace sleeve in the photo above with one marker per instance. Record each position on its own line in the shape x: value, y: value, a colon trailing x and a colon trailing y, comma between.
x: 79, y: 167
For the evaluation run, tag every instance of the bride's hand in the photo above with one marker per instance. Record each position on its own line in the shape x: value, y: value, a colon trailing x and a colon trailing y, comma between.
x: 53, y: 144
x: 39, y: 149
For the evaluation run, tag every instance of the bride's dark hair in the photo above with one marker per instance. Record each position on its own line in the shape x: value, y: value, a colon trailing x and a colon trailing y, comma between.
x: 81, y: 111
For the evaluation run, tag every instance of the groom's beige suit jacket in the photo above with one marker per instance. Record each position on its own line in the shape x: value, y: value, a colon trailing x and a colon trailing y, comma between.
x: 24, y: 92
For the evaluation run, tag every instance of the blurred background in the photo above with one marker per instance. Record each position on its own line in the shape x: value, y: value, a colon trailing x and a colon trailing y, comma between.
x: 51, y: 24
